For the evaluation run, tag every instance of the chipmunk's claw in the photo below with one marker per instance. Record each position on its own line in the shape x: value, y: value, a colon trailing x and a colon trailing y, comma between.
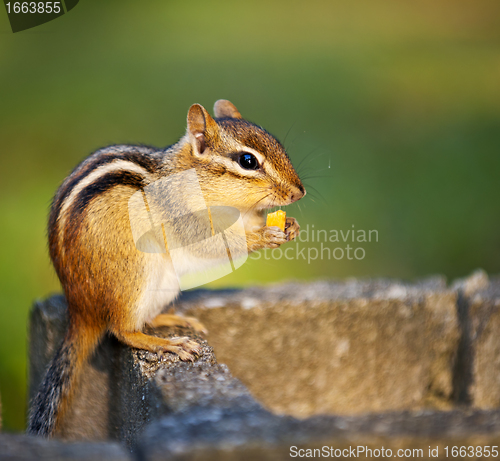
x: 291, y: 229
x: 185, y: 348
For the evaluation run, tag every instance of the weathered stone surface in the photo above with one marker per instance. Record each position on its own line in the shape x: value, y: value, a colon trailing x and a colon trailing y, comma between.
x: 480, y: 298
x: 26, y: 448
x: 302, y: 349
x: 217, y: 434
x: 137, y: 397
x: 336, y: 347
x: 343, y: 348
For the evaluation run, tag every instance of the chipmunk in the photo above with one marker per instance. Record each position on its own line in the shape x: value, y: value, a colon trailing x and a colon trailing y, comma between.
x: 108, y: 283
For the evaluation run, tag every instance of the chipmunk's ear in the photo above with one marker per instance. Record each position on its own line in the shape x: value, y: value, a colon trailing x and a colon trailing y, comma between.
x: 201, y: 127
x: 224, y: 108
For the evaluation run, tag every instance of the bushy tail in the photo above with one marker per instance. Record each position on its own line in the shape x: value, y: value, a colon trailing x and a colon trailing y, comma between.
x: 59, y: 382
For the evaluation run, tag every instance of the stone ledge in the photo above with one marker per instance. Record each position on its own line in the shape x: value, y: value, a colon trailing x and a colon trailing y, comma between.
x: 363, y: 347
x: 229, y: 435
x: 479, y: 303
x: 341, y: 347
x: 27, y: 448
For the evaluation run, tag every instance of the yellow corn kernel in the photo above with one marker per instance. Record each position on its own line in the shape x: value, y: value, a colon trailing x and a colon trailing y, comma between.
x: 278, y: 219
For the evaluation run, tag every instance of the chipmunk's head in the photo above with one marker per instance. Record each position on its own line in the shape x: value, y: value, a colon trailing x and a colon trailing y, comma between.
x: 238, y: 163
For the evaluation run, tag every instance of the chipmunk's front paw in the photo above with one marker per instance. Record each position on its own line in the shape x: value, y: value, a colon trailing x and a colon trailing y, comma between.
x: 291, y: 229
x: 273, y: 237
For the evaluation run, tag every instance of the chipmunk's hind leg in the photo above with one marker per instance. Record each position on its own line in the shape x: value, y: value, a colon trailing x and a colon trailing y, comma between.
x: 172, y: 320
x: 184, y: 347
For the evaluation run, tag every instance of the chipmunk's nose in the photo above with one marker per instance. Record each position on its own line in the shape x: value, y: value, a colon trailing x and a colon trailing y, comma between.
x: 298, y: 193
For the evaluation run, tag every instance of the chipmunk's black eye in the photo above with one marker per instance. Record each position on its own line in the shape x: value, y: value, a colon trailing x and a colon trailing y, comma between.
x: 248, y: 161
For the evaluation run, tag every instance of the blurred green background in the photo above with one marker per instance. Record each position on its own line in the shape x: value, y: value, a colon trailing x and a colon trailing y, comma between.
x: 393, y: 106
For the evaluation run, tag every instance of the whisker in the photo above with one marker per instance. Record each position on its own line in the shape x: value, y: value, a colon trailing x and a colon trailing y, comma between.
x: 317, y: 192
x: 309, y: 159
x: 305, y: 178
x: 288, y: 132
x: 258, y: 201
x: 306, y: 156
